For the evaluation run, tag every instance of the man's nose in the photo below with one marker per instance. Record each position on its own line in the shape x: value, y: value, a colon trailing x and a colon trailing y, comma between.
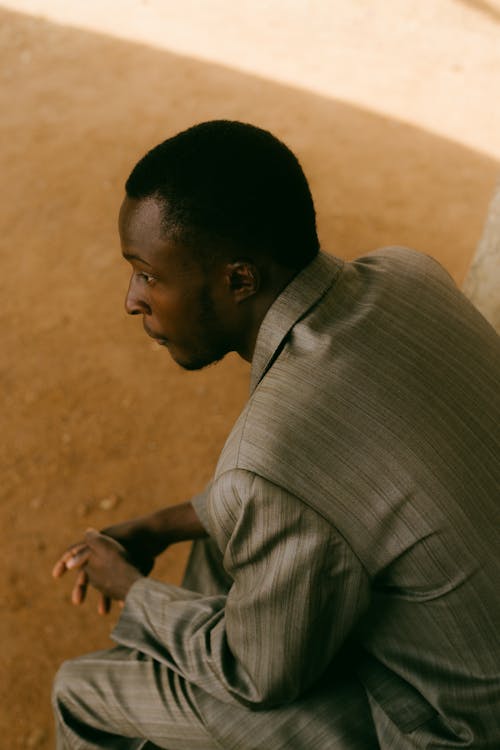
x: 134, y: 303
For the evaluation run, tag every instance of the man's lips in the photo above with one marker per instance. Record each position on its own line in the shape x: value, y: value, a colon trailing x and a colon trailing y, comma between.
x: 158, y: 338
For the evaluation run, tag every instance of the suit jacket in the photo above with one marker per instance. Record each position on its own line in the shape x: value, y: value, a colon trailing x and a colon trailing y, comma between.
x: 355, y: 504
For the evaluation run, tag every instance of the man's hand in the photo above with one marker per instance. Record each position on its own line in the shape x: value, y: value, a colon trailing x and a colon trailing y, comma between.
x: 103, y: 563
x: 138, y: 540
x: 130, y: 547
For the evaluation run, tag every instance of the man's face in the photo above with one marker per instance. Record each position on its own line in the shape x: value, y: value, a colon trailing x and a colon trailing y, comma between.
x: 170, y: 289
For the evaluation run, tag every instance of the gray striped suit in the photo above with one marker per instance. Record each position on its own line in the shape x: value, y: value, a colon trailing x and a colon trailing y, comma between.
x: 349, y: 594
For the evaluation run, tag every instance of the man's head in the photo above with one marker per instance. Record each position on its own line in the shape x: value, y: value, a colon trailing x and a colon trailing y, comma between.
x: 216, y: 221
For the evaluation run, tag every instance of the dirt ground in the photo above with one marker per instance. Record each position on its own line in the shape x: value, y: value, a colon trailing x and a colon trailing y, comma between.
x: 97, y: 423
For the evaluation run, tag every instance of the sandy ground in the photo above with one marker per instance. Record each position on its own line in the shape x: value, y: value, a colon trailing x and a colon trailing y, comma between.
x: 96, y: 424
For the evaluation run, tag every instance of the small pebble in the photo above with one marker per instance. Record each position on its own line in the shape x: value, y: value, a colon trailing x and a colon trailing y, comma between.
x: 110, y: 502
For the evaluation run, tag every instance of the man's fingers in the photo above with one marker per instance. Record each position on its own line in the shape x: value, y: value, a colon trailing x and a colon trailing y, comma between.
x: 104, y: 605
x: 72, y: 558
x: 78, y: 559
x: 80, y: 588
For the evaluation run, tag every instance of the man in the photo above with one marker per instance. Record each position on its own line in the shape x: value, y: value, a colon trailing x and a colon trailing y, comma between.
x: 343, y: 591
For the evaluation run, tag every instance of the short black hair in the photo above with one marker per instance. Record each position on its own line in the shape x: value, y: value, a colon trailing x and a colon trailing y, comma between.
x: 228, y: 186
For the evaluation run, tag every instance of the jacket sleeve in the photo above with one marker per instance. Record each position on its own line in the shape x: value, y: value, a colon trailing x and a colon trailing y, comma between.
x: 199, y: 503
x: 297, y: 592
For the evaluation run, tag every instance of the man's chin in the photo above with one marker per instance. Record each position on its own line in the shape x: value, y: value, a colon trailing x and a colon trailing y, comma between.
x: 198, y: 364
x: 191, y: 363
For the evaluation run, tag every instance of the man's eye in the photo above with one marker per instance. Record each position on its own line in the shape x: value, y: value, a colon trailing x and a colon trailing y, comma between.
x: 146, y: 277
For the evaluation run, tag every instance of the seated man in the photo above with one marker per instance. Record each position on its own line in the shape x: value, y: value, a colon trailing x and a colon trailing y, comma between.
x: 343, y: 591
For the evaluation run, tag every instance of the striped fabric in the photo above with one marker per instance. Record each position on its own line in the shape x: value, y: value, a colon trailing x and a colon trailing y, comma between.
x: 355, y: 513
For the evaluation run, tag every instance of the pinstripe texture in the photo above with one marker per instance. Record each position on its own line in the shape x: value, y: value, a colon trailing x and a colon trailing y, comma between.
x: 281, y: 592
x: 355, y: 508
x: 382, y: 413
x: 115, y: 698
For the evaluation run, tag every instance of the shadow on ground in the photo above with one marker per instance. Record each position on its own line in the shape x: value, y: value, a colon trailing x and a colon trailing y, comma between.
x: 90, y: 409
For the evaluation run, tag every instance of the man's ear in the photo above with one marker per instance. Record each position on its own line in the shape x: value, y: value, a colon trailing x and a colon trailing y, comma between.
x: 243, y: 279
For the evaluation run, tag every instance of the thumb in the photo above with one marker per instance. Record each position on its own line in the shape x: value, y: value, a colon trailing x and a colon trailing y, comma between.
x: 95, y: 539
x: 92, y: 535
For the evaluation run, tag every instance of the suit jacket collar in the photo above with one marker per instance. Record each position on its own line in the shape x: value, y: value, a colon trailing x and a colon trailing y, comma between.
x: 302, y: 293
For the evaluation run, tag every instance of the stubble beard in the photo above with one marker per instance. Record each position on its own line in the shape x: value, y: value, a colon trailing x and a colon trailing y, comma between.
x: 212, y: 345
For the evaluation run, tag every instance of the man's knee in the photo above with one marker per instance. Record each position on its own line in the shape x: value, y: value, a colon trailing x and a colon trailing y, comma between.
x: 78, y: 704
x: 61, y: 679
x: 67, y: 682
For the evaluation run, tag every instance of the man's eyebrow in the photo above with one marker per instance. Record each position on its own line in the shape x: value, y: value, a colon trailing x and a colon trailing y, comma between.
x: 131, y: 256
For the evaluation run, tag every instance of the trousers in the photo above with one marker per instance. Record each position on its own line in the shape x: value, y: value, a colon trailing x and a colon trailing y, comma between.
x: 123, y: 699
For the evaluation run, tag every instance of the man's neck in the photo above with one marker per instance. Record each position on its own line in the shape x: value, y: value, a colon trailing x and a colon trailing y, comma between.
x: 259, y: 311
